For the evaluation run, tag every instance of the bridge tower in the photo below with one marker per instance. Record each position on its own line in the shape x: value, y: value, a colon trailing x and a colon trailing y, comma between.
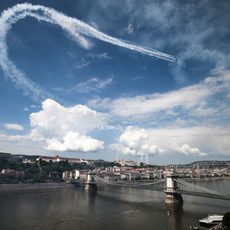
x: 172, y: 191
x: 90, y: 181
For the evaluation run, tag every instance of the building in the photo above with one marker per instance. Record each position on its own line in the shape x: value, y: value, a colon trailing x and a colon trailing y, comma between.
x: 46, y: 158
x: 127, y: 163
x: 70, y: 160
x: 58, y: 159
x: 8, y: 172
x: 71, y: 175
x: 13, y: 173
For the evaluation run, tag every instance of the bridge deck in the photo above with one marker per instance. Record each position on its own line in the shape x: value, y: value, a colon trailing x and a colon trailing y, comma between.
x: 162, y: 188
x: 185, y: 188
x: 205, y: 195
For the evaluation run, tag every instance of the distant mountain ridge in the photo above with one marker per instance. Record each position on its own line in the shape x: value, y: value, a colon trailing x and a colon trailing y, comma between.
x: 210, y: 163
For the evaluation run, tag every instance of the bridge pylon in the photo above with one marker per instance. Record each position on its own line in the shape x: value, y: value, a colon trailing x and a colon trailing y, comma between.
x: 172, y: 190
x: 90, y: 181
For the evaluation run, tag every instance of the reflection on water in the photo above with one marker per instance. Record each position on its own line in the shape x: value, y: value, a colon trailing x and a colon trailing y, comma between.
x: 107, y: 208
x: 175, y: 216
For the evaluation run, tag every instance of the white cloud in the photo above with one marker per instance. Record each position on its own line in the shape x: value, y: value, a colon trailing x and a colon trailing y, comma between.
x: 93, y: 84
x: 99, y: 56
x: 188, y: 150
x: 103, y: 56
x: 194, y: 99
x: 129, y: 29
x: 137, y: 141
x: 33, y: 106
x: 13, y: 126
x: 82, y: 64
x: 30, y: 107
x: 63, y: 128
x: 207, y: 141
x: 20, y: 144
x: 73, y: 141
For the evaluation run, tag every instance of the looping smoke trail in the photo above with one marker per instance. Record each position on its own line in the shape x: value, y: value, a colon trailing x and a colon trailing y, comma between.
x: 74, y: 27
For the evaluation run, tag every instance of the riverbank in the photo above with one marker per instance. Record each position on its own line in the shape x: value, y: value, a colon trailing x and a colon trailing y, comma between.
x: 55, y: 185
x: 33, y: 186
x: 206, y: 179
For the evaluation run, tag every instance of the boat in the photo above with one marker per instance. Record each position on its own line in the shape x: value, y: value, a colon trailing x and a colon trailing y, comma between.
x: 211, y: 220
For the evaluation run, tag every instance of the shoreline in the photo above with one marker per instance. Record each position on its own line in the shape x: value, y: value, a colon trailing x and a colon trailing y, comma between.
x: 207, y: 179
x: 34, y: 186
x: 55, y: 185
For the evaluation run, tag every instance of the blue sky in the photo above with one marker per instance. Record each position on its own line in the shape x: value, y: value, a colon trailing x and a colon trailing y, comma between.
x: 145, y: 80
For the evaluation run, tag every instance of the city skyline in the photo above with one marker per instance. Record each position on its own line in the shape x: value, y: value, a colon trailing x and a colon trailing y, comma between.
x: 92, y: 79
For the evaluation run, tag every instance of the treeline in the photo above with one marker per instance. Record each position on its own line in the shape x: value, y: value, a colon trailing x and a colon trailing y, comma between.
x: 42, y: 171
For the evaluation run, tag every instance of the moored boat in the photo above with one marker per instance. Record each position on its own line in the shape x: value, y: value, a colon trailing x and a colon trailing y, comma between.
x: 211, y: 220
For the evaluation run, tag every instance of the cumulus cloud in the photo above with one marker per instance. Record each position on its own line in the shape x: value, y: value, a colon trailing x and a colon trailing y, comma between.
x: 66, y: 128
x: 188, y: 150
x: 137, y: 141
x: 140, y: 141
x: 73, y: 141
x: 13, y: 126
x: 75, y: 29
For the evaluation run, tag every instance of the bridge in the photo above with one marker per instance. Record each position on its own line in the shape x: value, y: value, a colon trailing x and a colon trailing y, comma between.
x: 173, y: 186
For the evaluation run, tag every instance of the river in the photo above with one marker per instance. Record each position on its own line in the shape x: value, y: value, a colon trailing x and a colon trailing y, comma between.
x: 108, y: 208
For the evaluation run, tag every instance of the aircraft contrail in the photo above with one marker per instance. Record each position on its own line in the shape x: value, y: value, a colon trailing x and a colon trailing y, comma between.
x: 77, y: 30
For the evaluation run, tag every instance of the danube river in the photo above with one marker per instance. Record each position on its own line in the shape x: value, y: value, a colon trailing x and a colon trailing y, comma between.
x: 108, y: 208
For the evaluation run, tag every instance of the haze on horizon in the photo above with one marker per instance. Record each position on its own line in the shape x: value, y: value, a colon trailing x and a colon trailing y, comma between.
x: 87, y: 79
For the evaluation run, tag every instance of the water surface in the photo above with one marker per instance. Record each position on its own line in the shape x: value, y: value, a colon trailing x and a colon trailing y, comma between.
x: 108, y: 208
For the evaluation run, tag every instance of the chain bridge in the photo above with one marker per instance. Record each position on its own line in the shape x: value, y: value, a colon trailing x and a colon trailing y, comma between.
x: 173, y: 186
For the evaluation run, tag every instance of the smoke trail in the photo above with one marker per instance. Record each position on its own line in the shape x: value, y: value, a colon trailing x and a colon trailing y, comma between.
x: 74, y: 27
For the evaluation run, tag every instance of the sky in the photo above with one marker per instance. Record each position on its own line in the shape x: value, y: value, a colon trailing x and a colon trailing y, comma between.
x: 136, y: 80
